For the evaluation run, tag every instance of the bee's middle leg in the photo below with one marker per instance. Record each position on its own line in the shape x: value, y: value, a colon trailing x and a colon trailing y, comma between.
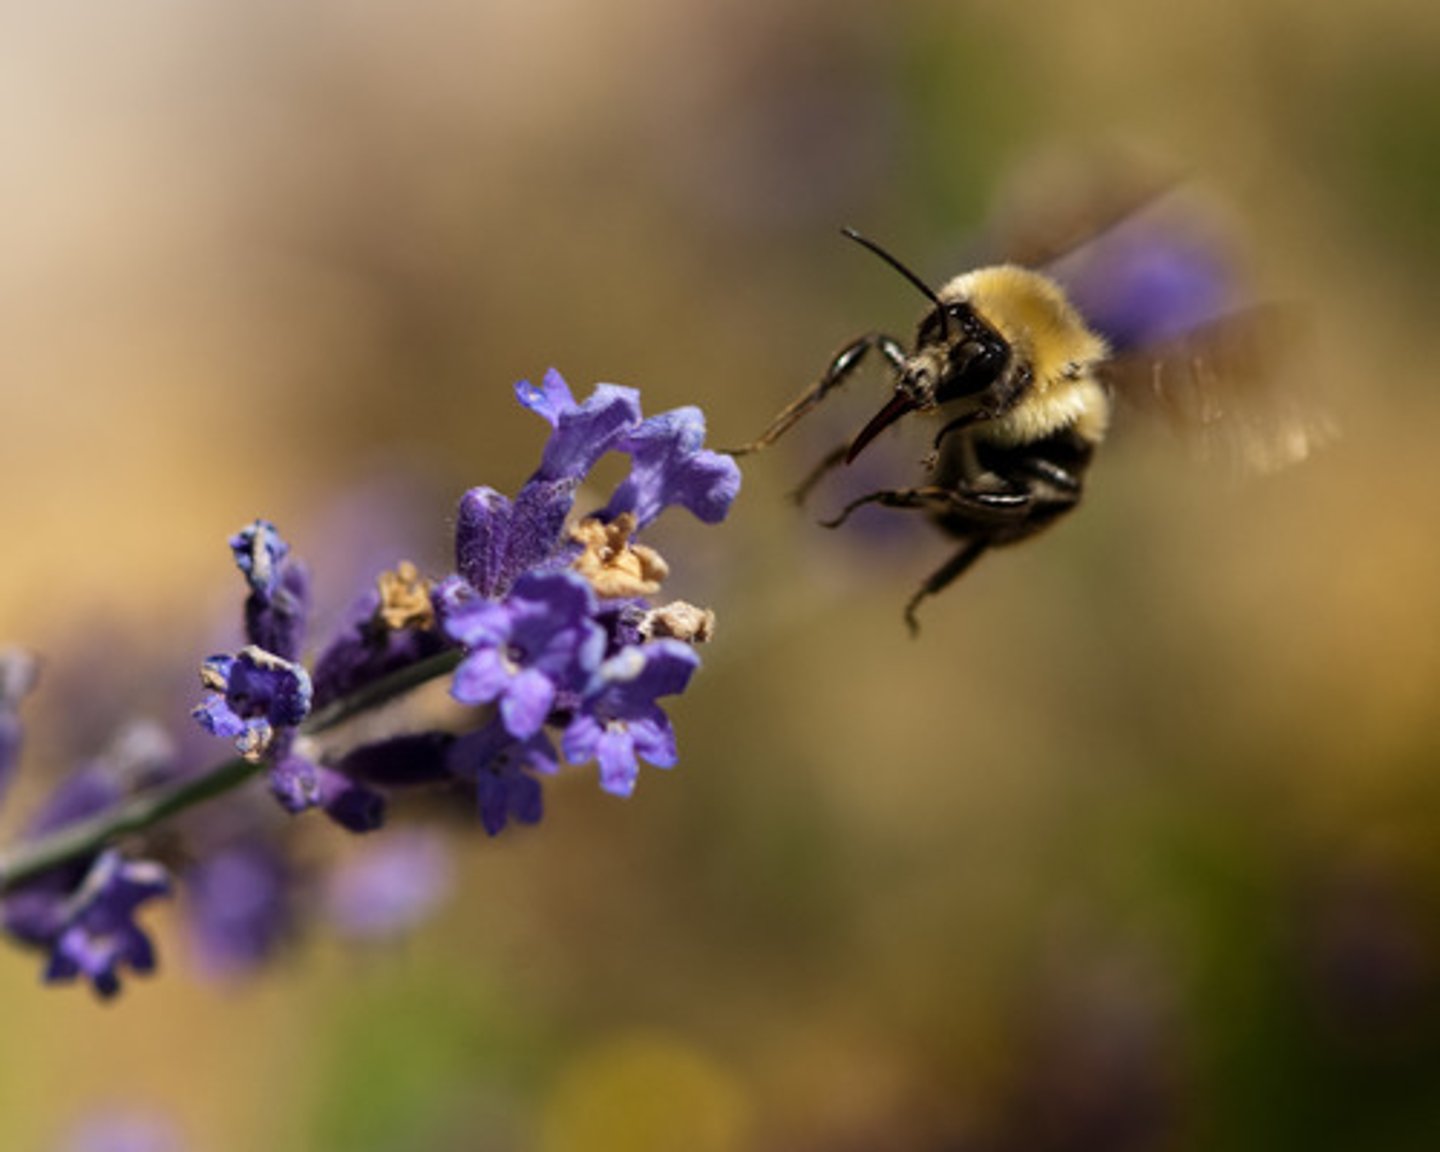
x: 978, y: 505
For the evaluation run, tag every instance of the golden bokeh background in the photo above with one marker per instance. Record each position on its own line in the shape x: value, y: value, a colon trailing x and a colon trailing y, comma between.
x: 1138, y: 847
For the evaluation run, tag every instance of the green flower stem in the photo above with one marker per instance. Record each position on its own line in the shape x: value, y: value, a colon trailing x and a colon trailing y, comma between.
x: 147, y: 808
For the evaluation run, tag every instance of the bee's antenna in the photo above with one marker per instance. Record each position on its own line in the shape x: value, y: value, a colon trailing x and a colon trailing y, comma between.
x: 904, y: 271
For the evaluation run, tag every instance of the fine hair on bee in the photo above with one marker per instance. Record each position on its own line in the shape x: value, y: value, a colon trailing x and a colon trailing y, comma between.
x: 1020, y: 384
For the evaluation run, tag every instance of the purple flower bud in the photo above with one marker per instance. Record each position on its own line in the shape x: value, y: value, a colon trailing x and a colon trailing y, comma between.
x: 365, y: 651
x: 278, y: 605
x: 300, y: 784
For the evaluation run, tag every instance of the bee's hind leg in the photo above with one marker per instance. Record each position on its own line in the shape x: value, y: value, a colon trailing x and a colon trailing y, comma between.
x: 942, y: 578
x: 841, y: 368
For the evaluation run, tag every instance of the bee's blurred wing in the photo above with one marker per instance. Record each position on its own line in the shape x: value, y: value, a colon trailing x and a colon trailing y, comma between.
x: 1231, y: 389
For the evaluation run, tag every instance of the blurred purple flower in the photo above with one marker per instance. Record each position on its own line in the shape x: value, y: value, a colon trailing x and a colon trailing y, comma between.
x: 120, y: 1130
x: 239, y: 905
x: 391, y: 888
x: 18, y: 673
x: 97, y: 935
x: 1152, y: 278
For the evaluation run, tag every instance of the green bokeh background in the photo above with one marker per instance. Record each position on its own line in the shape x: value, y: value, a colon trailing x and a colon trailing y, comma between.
x: 1137, y: 848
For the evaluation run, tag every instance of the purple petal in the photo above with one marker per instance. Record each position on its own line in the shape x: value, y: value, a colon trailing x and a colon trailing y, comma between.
x: 217, y: 718
x: 550, y: 400
x: 480, y: 622
x: 654, y: 739
x: 527, y: 702
x: 100, y: 935
x: 629, y: 682
x: 618, y: 767
x: 581, y: 739
x: 481, y: 677
x: 352, y: 806
x: 493, y: 746
x: 277, y: 624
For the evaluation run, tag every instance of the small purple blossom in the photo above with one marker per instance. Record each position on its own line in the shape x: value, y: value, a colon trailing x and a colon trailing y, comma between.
x: 97, y: 936
x: 500, y: 764
x: 254, y: 696
x: 619, y: 721
x: 672, y: 467
x: 524, y: 651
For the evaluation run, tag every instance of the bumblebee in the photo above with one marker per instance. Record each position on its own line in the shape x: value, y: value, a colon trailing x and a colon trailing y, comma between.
x: 1021, y: 382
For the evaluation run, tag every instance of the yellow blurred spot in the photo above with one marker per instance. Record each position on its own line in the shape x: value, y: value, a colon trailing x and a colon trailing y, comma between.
x: 644, y: 1093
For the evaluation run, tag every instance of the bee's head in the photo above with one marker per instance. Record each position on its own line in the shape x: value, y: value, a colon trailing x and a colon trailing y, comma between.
x: 957, y: 355
x: 968, y: 355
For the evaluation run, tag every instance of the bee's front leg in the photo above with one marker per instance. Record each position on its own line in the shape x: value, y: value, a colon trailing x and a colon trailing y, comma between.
x: 841, y: 368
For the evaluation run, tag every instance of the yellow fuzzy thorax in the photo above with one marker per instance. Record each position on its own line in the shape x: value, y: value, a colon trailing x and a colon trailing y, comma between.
x: 1044, y: 330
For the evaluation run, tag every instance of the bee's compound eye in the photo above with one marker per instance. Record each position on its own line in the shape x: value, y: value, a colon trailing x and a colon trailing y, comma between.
x: 974, y: 366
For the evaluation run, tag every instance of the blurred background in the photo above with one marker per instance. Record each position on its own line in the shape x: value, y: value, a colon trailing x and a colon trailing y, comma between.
x: 1137, y: 847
